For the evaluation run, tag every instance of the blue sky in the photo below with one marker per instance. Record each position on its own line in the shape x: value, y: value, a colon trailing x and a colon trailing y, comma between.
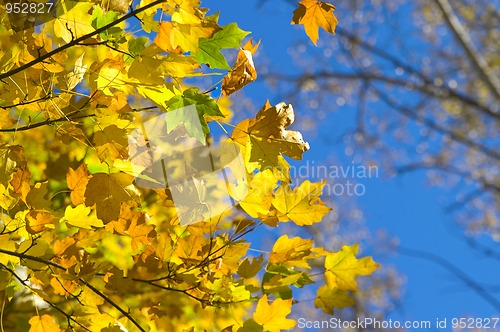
x: 408, y: 207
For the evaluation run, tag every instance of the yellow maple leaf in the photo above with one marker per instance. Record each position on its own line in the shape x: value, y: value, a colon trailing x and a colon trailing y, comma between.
x: 20, y: 182
x: 62, y: 286
x: 265, y: 138
x: 165, y: 38
x: 75, y: 22
x: 178, y: 38
x: 301, y: 205
x: 291, y: 252
x: 176, y: 65
x: 248, y: 269
x: 148, y: 69
x: 7, y: 243
x: 111, y: 143
x: 79, y: 217
x: 273, y: 316
x: 329, y: 299
x: 91, y: 301
x: 258, y: 199
x: 133, y: 224
x: 159, y: 95
x: 37, y: 196
x: 268, y: 132
x: 313, y: 15
x: 43, y: 323
x: 120, y: 6
x: 77, y: 182
x: 343, y: 267
x: 38, y: 220
x: 224, y: 104
x: 185, y: 11
x: 11, y: 156
x: 7, y: 198
x: 5, y: 119
x: 110, y: 74
x: 108, y: 192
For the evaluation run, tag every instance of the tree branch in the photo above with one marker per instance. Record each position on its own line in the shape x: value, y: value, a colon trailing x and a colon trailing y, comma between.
x: 112, y: 303
x: 23, y: 282
x: 427, y: 87
x: 476, y: 287
x: 465, y: 41
x: 32, y: 258
x: 412, y: 70
x: 433, y: 125
x: 105, y: 43
x: 63, y: 119
x: 26, y: 102
x: 47, y: 122
x: 95, y: 290
x: 448, y: 169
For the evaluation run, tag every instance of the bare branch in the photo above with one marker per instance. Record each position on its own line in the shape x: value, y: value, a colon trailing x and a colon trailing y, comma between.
x: 433, y: 125
x: 427, y: 87
x: 47, y: 97
x: 23, y: 282
x: 465, y: 41
x: 412, y: 70
x: 448, y: 169
x: 476, y: 287
x: 112, y: 303
x: 95, y: 290
x: 47, y: 122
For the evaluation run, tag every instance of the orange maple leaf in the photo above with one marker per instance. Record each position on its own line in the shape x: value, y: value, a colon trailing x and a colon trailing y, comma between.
x: 313, y: 15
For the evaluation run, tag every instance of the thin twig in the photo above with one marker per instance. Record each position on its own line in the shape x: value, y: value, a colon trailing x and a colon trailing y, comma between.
x: 112, y: 303
x: 23, y: 282
x: 433, y: 125
x: 476, y: 287
x: 95, y: 290
x: 465, y: 41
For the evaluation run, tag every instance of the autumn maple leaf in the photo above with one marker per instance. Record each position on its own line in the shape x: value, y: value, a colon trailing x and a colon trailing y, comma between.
x: 313, y: 15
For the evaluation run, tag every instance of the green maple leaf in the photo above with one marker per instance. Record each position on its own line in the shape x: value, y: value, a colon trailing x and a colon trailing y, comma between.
x: 229, y: 37
x: 205, y: 105
x: 137, y: 45
x: 101, y: 18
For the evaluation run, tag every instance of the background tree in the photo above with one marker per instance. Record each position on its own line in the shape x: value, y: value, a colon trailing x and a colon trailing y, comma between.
x: 448, y: 94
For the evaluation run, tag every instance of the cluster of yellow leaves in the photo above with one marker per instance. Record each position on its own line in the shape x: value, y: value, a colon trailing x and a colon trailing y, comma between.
x: 73, y: 22
x: 112, y: 255
x: 264, y: 139
x: 188, y: 25
x: 342, y: 268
